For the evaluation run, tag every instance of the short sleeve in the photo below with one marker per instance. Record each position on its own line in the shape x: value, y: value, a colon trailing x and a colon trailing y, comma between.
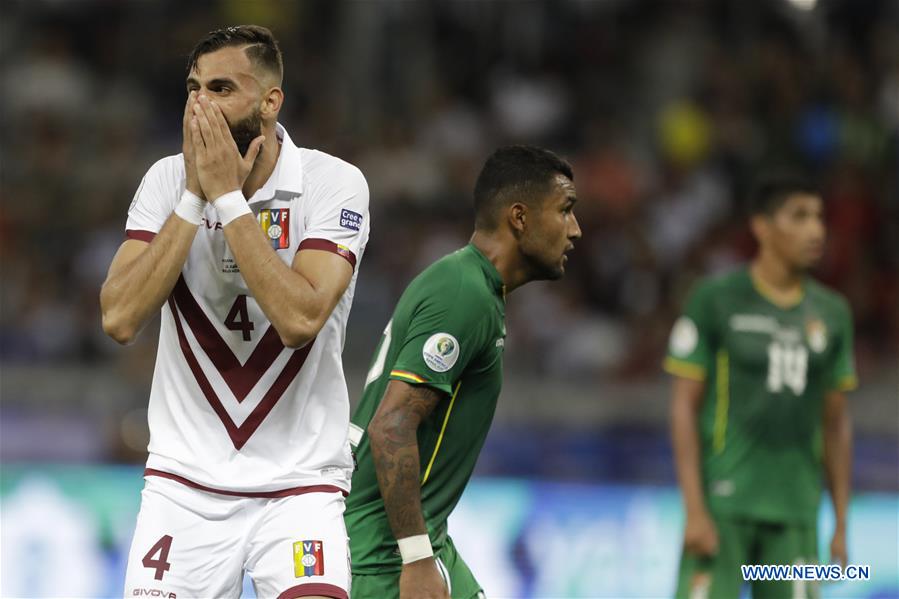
x: 337, y: 218
x: 844, y: 377
x: 155, y: 199
x: 443, y: 338
x: 691, y: 346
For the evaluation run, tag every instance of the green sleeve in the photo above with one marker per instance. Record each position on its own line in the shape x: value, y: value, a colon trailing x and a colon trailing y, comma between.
x: 844, y: 378
x: 691, y: 347
x: 445, y: 334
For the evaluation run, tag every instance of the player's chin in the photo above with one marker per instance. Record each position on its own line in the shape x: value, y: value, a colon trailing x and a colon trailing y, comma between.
x: 546, y: 268
x: 810, y: 258
x: 547, y: 273
x: 556, y: 271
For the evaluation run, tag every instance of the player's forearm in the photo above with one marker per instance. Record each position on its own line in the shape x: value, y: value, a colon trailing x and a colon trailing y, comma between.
x: 287, y: 298
x: 838, y: 461
x: 394, y: 447
x: 685, y: 441
x: 136, y: 290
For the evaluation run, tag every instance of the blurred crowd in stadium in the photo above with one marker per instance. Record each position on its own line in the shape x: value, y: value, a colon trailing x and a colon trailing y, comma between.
x: 666, y: 111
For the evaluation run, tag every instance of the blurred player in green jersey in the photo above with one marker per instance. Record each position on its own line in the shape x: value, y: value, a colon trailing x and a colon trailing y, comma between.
x: 432, y: 389
x: 762, y: 358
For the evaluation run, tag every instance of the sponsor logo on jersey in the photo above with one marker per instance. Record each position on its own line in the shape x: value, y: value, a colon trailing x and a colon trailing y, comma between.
x: 350, y: 220
x: 766, y: 325
x: 275, y: 223
x: 501, y: 343
x: 440, y: 352
x: 816, y: 333
x: 684, y: 337
x: 753, y: 323
x: 308, y: 558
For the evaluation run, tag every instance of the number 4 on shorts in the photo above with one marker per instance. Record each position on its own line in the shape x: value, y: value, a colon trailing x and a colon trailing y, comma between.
x: 162, y: 564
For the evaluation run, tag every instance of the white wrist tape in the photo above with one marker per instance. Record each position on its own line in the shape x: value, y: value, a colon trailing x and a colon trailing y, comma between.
x: 415, y: 548
x: 191, y: 207
x: 231, y: 205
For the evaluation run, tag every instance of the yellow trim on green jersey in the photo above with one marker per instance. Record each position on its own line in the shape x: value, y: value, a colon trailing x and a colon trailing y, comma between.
x: 847, y: 383
x: 722, y: 389
x: 687, y: 370
x: 440, y: 436
x: 770, y: 294
x: 407, y: 375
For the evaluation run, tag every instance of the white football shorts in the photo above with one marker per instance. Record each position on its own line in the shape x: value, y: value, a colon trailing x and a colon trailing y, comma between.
x: 193, y: 543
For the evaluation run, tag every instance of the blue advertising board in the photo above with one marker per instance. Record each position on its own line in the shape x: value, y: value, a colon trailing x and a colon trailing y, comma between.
x: 66, y: 530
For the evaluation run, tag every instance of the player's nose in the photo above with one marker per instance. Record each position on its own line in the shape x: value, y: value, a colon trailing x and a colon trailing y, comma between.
x: 575, y: 230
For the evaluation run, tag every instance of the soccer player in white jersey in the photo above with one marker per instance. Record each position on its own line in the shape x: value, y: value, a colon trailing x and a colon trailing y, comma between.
x: 249, y: 245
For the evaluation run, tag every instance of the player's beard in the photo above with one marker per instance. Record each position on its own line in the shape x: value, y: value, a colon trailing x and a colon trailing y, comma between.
x: 246, y: 130
x: 541, y: 270
x: 537, y: 247
x: 541, y: 267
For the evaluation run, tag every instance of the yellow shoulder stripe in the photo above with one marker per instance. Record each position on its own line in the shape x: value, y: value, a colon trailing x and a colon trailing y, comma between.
x: 687, y: 370
x: 409, y: 376
x: 847, y: 383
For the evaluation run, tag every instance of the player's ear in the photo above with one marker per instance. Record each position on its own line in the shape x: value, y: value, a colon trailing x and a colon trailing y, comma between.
x: 517, y: 215
x: 271, y: 102
x: 759, y: 224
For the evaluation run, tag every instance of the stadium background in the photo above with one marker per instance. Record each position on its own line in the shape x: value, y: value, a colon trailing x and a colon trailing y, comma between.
x: 666, y: 109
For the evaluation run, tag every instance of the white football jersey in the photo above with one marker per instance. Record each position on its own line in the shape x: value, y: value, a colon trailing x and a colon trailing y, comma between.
x: 230, y: 407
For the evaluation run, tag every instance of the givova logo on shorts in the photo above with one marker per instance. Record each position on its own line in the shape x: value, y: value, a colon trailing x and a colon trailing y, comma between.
x: 308, y: 559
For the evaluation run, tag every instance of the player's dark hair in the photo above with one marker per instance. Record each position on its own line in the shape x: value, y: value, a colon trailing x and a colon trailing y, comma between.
x: 771, y: 190
x: 262, y: 47
x: 514, y: 174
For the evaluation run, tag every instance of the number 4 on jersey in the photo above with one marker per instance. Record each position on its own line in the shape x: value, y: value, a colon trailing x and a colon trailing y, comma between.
x: 238, y: 318
x: 162, y: 564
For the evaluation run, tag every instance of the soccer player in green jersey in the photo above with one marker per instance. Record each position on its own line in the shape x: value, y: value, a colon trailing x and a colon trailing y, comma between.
x: 762, y: 358
x: 432, y: 389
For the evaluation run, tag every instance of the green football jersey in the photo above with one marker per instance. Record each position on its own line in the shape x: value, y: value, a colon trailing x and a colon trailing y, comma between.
x: 767, y: 370
x: 447, y: 332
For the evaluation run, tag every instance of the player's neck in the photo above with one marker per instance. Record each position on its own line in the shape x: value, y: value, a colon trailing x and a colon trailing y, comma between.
x: 776, y: 279
x: 264, y: 165
x: 496, y: 251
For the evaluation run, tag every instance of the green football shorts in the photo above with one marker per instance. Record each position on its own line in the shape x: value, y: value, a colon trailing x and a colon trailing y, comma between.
x: 749, y: 542
x: 460, y: 580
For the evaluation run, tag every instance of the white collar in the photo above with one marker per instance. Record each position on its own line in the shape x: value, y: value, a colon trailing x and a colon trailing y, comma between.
x: 286, y: 181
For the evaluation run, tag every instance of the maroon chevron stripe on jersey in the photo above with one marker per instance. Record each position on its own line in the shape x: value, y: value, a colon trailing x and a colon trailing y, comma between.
x: 239, y: 434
